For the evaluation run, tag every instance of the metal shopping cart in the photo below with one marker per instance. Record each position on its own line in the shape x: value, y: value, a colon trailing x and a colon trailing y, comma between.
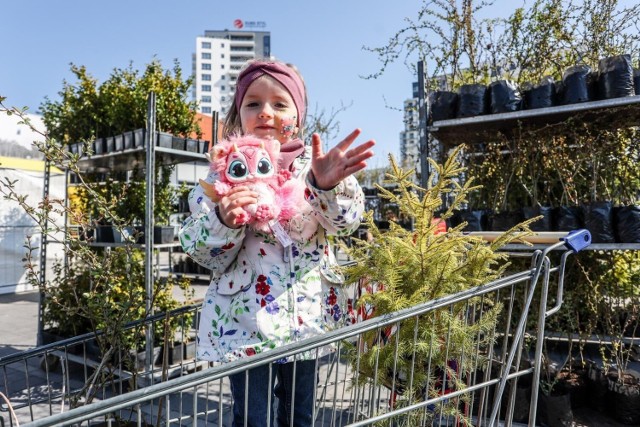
x: 480, y: 387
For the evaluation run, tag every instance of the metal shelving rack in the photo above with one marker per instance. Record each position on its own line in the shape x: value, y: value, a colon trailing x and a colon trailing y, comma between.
x: 610, y: 114
x: 145, y: 157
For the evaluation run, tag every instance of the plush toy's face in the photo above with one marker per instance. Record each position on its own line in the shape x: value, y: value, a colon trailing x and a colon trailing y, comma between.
x: 253, y: 162
x: 245, y: 159
x: 247, y: 164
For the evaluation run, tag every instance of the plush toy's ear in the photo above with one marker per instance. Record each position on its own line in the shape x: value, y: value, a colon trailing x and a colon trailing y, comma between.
x: 272, y: 146
x: 209, y: 191
x: 218, y: 152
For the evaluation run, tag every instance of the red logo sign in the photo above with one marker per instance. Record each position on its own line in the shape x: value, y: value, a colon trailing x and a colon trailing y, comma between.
x: 238, y: 23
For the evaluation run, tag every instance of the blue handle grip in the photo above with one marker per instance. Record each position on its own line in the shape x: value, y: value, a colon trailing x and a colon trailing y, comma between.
x: 577, y: 240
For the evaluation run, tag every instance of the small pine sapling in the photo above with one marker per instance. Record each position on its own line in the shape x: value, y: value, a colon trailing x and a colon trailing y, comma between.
x: 410, y: 267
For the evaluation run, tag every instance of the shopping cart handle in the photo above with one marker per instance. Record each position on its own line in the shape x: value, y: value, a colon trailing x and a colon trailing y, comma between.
x: 577, y: 240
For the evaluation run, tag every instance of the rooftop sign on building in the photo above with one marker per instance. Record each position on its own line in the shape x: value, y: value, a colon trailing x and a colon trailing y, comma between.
x: 240, y: 24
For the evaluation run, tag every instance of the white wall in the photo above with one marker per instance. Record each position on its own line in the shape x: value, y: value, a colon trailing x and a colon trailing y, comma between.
x: 14, y: 133
x: 16, y: 227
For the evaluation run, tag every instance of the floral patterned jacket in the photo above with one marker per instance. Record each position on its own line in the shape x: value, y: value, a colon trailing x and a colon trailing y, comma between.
x: 263, y: 295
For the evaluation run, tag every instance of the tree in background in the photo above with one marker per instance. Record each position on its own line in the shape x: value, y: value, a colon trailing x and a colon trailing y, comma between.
x: 544, y: 38
x: 87, y: 110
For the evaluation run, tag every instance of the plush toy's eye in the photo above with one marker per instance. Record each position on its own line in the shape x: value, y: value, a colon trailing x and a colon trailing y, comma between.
x: 264, y: 166
x: 237, y: 169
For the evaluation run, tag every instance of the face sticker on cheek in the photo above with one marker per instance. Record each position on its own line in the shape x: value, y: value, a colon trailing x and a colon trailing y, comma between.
x: 286, y: 124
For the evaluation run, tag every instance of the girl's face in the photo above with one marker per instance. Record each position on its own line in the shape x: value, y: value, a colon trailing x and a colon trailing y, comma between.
x: 268, y: 110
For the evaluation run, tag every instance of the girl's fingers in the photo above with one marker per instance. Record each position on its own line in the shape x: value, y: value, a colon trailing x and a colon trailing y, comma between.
x: 350, y: 170
x: 345, y: 143
x: 242, y: 201
x: 316, y: 146
x: 362, y: 147
x: 360, y: 157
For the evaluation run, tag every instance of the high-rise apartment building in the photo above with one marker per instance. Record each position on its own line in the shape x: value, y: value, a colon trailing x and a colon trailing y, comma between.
x: 218, y: 58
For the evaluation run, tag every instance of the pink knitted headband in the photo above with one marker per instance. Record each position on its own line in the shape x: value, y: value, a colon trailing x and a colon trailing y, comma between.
x: 284, y: 74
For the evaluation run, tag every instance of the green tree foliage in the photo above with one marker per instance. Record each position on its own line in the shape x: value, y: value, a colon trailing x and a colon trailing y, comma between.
x: 543, y: 38
x: 87, y: 109
x: 421, y: 265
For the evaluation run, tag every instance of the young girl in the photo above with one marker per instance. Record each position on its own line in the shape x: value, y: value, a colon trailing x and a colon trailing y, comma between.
x: 268, y: 288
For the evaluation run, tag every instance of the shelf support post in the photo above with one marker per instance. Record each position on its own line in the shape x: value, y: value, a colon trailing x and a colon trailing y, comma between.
x: 150, y: 136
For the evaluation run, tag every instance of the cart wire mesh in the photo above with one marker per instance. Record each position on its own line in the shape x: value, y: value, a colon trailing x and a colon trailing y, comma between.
x: 482, y: 387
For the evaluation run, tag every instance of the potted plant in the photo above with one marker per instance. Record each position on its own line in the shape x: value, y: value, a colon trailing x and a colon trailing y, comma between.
x: 620, y: 325
x: 130, y: 206
x: 110, y: 296
x: 408, y: 267
x: 165, y: 200
x: 554, y: 399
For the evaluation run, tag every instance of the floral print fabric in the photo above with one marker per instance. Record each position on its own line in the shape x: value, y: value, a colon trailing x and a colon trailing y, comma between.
x: 263, y: 295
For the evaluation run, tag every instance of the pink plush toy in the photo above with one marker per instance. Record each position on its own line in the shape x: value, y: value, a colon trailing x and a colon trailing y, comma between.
x: 253, y: 162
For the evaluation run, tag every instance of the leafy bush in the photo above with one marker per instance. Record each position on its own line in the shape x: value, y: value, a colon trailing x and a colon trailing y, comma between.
x: 87, y: 110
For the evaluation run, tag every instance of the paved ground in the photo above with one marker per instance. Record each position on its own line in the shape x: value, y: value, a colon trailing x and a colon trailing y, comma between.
x: 18, y: 322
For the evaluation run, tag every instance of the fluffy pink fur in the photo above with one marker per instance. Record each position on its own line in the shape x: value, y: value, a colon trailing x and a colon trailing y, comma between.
x: 280, y: 195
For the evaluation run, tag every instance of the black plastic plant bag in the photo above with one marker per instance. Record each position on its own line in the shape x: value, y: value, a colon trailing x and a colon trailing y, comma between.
x: 598, y: 219
x: 472, y: 100
x: 626, y: 221
x: 443, y: 105
x: 559, y: 92
x: 541, y: 95
x: 593, y: 92
x: 575, y: 81
x: 505, y: 97
x: 543, y: 224
x: 568, y: 218
x: 503, y: 221
x: 615, y: 77
x: 475, y: 219
x: 555, y: 409
x: 624, y: 403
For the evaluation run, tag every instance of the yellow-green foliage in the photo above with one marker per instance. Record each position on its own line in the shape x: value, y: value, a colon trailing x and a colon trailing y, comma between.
x: 421, y: 265
x: 108, y: 297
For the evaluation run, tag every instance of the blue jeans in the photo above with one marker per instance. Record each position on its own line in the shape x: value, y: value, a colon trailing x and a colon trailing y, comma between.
x: 259, y: 389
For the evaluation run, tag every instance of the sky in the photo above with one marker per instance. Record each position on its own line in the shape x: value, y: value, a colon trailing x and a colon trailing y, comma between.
x: 324, y: 39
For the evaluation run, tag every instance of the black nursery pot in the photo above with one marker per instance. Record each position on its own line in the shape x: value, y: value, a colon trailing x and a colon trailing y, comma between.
x: 567, y: 218
x: 443, y: 105
x: 624, y: 401
x: 541, y: 95
x: 472, y: 100
x: 575, y: 81
x: 555, y: 410
x: 598, y: 219
x: 127, y: 138
x: 503, y: 221
x: 543, y: 224
x: 615, y: 77
x: 626, y: 222
x: 163, y: 234
x: 476, y: 219
x: 505, y: 97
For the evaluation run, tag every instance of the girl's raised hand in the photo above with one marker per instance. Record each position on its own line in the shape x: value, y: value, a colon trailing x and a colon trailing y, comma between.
x: 339, y: 162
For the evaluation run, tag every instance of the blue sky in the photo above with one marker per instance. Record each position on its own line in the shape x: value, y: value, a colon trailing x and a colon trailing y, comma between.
x: 323, y: 38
